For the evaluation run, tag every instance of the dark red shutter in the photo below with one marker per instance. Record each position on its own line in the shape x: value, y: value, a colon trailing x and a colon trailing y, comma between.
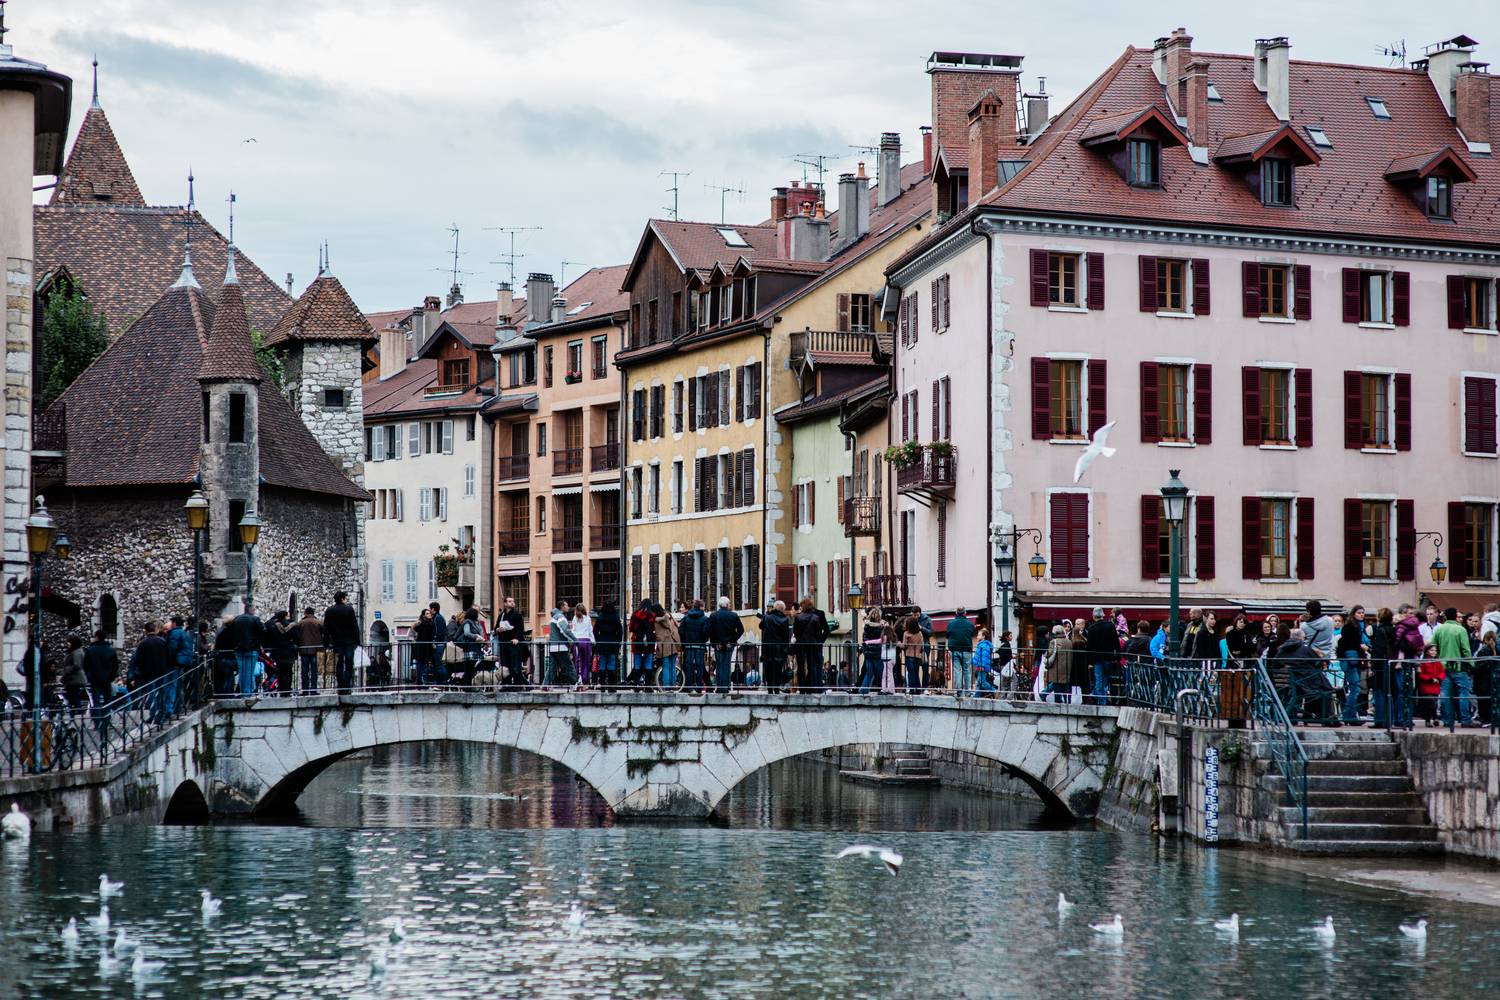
x: 902, y: 322
x: 1403, y: 411
x: 1150, y: 428
x: 1302, y: 291
x: 1150, y: 536
x: 1458, y: 542
x: 1250, y: 390
x: 1041, y: 402
x: 947, y: 408
x: 1094, y: 262
x: 1401, y: 298
x: 786, y: 583
x: 1306, y: 538
x: 1456, y: 312
x: 1200, y: 286
x: 916, y: 313
x: 1149, y: 302
x: 1070, y: 535
x: 1304, y: 404
x: 1473, y: 432
x: 1250, y: 288
x: 937, y: 426
x: 692, y: 403
x: 1351, y: 295
x: 740, y: 394
x: 1484, y: 399
x: 1353, y: 433
x: 933, y: 291
x: 1203, y: 404
x: 1098, y: 400
x: 1250, y: 538
x: 1353, y: 550
x: 947, y: 304
x: 1205, y: 508
x: 1406, y: 540
x: 1039, y: 278
x: 841, y: 311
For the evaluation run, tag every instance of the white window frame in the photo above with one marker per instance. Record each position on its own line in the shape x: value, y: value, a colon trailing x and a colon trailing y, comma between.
x: 470, y: 477
x: 447, y: 437
x: 1389, y: 374
x: 411, y: 581
x: 677, y: 485
x: 414, y: 440
x: 1291, y: 538
x: 1390, y: 541
x: 1083, y: 398
x: 387, y: 580
x: 1291, y: 405
x: 1387, y: 298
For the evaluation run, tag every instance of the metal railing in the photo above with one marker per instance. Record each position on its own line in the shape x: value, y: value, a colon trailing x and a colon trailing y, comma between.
x: 567, y: 461
x: 78, y: 738
x: 512, y: 542
x: 932, y: 471
x: 509, y: 467
x: 568, y: 539
x: 861, y: 516
x: 1287, y: 752
x: 887, y: 590
x: 604, y: 457
x: 604, y: 536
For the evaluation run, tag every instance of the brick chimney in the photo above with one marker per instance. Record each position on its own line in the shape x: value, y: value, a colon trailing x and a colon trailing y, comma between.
x: 778, y: 205
x: 1178, y: 50
x: 804, y: 236
x: 926, y: 150
x: 505, y: 302
x: 958, y: 80
x: 1195, y: 99
x: 1472, y: 106
x: 432, y: 315
x: 800, y: 197
x: 539, y: 291
x: 1279, y: 77
x: 888, y: 182
x: 1444, y: 67
x: 985, y: 129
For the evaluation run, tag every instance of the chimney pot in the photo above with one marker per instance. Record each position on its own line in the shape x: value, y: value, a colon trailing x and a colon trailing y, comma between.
x: 505, y: 303
x: 984, y: 145
x: 559, y: 308
x: 926, y: 150
x: 861, y: 168
x: 539, y: 291
x: 1278, y: 77
x: 888, y: 179
x: 1443, y: 68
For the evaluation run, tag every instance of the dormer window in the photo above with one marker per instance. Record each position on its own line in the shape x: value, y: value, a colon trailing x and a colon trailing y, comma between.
x: 1378, y: 108
x: 1439, y: 198
x: 1145, y: 163
x: 1276, y: 182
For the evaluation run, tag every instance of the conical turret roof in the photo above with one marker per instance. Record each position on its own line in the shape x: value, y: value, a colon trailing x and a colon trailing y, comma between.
x: 229, y: 356
x: 96, y: 171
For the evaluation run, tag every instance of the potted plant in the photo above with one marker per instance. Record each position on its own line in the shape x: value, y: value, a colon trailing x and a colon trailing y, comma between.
x: 905, y: 454
x: 447, y: 561
x: 941, y: 449
x: 573, y: 378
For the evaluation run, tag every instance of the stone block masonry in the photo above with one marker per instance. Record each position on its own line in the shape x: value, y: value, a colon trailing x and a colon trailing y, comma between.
x: 1458, y: 777
x: 16, y: 445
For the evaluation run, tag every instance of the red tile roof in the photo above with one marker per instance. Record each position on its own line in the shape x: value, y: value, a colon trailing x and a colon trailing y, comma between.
x: 1115, y: 128
x: 324, y: 311
x: 1255, y: 146
x: 698, y: 246
x: 593, y: 296
x: 228, y: 356
x: 405, y: 394
x: 96, y: 171
x: 1420, y: 165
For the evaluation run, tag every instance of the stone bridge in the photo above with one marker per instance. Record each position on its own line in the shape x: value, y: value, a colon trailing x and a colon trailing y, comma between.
x: 647, y: 754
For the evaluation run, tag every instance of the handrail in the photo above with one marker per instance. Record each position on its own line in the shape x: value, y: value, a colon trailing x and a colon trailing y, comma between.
x: 1287, y: 751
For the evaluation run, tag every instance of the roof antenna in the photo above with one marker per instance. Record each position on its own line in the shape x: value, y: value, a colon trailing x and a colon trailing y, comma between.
x: 676, y: 176
x: 3, y: 28
x: 512, y: 257
x: 562, y: 272
x: 231, y: 199
x: 96, y: 81
x: 723, y: 190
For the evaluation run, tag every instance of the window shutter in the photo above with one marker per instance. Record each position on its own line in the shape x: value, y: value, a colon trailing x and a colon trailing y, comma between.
x: 1094, y: 262
x: 833, y: 597
x: 443, y: 503
x: 1458, y: 543
x: 1403, y: 411
x: 932, y: 291
x: 838, y: 509
x: 692, y: 403
x: 916, y: 313
x: 1487, y: 416
x: 1401, y: 298
x: 1204, y: 506
x: 1201, y: 286
x: 1150, y: 424
x: 1149, y: 301
x: 754, y: 412
x: 1250, y: 390
x: 737, y: 585
x: 723, y: 384
x: 947, y: 408
x: 1098, y: 401
x: 841, y: 320
x: 401, y: 505
x: 1473, y: 432
x: 697, y: 484
x: 1304, y: 403
x: 937, y: 396
x: 1353, y: 419
x: 1306, y: 538
x: 748, y: 483
x: 812, y: 503
x: 1150, y: 537
x: 947, y: 304
x: 1353, y: 549
x: 1203, y: 404
x: 786, y: 583
x: 1302, y: 291
x: 1250, y: 289
x: 1406, y: 540
x: 739, y: 394
x: 1041, y: 404
x: 1250, y: 538
x: 1456, y: 315
x: 1351, y: 295
x: 942, y: 542
x: 905, y: 418
x: 1039, y: 293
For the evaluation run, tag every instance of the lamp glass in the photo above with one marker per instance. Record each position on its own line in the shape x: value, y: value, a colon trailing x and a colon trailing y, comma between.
x: 856, y: 597
x: 39, y: 529
x: 1005, y: 568
x: 196, y: 509
x: 62, y: 548
x: 1174, y: 499
x: 249, y: 528
x: 1037, y: 566
x: 1439, y: 570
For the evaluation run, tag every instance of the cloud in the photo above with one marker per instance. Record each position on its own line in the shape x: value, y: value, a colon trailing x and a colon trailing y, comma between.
x: 551, y: 132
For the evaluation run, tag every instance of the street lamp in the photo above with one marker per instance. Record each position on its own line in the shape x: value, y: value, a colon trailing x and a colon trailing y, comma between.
x: 1005, y: 569
x: 1438, y: 569
x: 40, y: 535
x: 856, y: 601
x: 196, y: 510
x: 1174, y: 507
x: 249, y: 535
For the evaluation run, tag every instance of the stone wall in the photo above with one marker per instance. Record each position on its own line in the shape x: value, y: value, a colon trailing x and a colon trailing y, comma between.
x: 1458, y: 777
x: 17, y: 445
x: 953, y: 768
x: 306, y: 543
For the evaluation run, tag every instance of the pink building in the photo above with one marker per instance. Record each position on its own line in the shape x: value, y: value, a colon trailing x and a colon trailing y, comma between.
x: 1276, y: 276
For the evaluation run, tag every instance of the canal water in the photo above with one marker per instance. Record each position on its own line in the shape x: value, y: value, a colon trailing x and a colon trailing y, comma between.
x: 483, y: 854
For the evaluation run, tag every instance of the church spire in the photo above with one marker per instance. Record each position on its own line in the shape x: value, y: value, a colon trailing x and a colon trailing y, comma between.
x: 96, y: 170
x: 186, y: 279
x: 96, y: 103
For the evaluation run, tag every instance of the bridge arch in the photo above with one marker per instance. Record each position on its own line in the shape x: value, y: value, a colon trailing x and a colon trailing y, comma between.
x: 187, y: 805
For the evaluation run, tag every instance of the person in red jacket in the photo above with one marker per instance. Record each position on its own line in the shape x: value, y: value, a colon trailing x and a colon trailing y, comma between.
x: 1430, y: 675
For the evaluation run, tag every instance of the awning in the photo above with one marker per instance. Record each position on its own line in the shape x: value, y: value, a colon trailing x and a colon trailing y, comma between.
x: 613, y: 484
x: 1465, y: 599
x: 513, y: 572
x: 567, y: 491
x: 1056, y: 607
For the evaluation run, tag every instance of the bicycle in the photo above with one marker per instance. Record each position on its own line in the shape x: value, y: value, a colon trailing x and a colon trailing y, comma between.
x: 679, y: 679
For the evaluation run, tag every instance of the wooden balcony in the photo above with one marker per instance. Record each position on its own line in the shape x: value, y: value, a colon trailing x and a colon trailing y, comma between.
x: 604, y: 457
x: 889, y: 591
x: 861, y: 517
x: 567, y: 462
x: 832, y: 346
x: 930, y: 474
x: 603, y: 537
x: 512, y: 467
x: 512, y: 542
x: 567, y: 539
x: 448, y: 388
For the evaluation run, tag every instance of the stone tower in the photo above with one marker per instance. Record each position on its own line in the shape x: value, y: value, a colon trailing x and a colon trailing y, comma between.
x: 229, y: 462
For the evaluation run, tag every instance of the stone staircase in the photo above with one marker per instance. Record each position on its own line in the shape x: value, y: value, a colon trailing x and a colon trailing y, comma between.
x: 907, y: 761
x: 1360, y: 799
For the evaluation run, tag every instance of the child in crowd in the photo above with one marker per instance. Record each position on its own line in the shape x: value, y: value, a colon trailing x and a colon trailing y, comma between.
x: 888, y: 653
x: 911, y: 655
x: 1430, y: 675
x: 984, y: 656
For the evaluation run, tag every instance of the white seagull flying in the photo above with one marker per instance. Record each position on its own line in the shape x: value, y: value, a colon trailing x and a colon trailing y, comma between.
x: 1096, y: 448
x: 888, y: 857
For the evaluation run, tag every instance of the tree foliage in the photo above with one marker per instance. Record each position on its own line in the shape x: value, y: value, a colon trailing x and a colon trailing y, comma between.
x: 73, y: 335
x: 269, y: 360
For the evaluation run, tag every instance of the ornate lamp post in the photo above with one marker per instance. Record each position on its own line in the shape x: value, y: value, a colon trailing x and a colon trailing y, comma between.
x: 856, y: 601
x: 41, y: 535
x: 1174, y: 507
x: 249, y: 536
x: 1005, y: 569
x: 196, y: 510
x: 1438, y: 569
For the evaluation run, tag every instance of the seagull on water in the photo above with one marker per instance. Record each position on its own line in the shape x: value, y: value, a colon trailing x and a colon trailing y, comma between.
x: 140, y: 968
x: 576, y: 917
x: 108, y: 888
x: 70, y: 932
x: 107, y: 962
x: 101, y: 922
x: 888, y: 857
x: 211, y: 906
x: 1063, y: 905
x: 1096, y: 448
x: 123, y: 943
x: 1230, y: 926
x: 398, y: 931
x: 1417, y: 931
x: 1115, y: 928
x: 1324, y: 931
x: 378, y: 963
x: 15, y: 825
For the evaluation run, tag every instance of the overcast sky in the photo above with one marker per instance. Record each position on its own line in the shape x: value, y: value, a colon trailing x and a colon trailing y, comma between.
x: 380, y: 124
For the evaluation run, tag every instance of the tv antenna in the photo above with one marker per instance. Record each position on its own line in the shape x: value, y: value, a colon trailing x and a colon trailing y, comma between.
x: 814, y: 161
x: 676, y: 176
x: 1395, y: 52
x: 724, y: 190
x: 511, y: 257
x: 562, y: 273
x: 231, y: 200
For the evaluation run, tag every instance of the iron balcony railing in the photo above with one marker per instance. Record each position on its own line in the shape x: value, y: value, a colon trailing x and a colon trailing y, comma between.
x: 567, y: 539
x: 603, y: 537
x: 512, y: 542
x: 932, y: 472
x: 604, y: 457
x: 861, y: 517
x: 887, y: 590
x: 567, y: 461
x: 508, y: 467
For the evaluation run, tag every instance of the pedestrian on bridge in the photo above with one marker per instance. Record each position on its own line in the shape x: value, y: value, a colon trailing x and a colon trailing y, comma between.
x: 961, y: 652
x: 668, y: 644
x: 309, y: 640
x: 246, y: 636
x: 724, y: 631
x: 149, y: 665
x: 559, y: 651
x: 642, y: 643
x: 341, y: 635
x: 775, y: 640
x: 608, y: 633
x: 583, y: 643
x: 693, y: 631
x: 810, y: 631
